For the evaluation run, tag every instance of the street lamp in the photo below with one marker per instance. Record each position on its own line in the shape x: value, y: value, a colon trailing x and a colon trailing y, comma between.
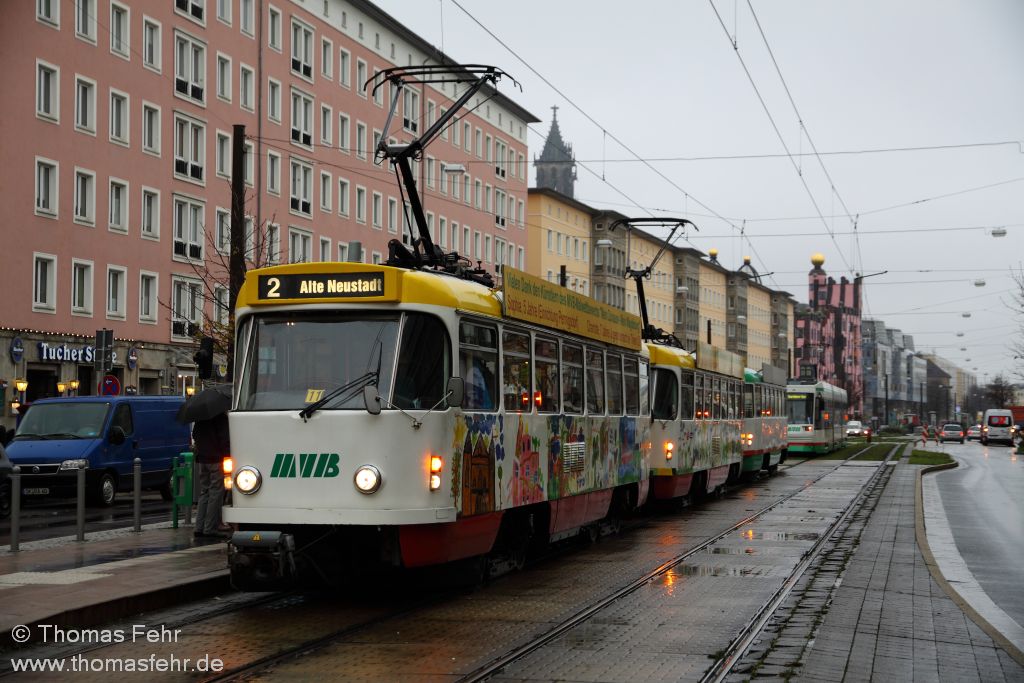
x: 61, y: 388
x: 74, y: 386
x: 22, y: 386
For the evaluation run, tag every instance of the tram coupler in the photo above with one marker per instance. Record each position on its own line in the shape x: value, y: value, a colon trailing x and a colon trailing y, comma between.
x: 261, y: 559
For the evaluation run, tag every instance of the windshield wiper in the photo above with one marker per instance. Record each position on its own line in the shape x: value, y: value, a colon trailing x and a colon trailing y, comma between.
x: 61, y: 435
x: 357, y: 384
x: 28, y: 436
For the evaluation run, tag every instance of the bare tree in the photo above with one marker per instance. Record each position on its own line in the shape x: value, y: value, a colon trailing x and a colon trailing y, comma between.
x: 1000, y: 392
x: 1017, y: 306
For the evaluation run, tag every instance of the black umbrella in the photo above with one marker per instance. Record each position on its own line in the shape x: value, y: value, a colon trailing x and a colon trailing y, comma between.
x: 206, y: 405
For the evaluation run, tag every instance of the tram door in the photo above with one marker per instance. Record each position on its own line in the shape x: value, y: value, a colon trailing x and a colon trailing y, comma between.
x: 477, y: 477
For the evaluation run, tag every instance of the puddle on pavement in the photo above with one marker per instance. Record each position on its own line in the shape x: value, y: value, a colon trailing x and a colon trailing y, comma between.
x: 717, y: 570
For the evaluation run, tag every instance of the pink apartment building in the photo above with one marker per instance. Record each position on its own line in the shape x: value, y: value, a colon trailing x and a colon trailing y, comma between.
x: 116, y: 140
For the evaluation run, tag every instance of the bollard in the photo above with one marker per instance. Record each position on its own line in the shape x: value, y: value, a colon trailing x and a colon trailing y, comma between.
x: 81, y: 504
x: 137, y: 490
x: 174, y: 492
x: 15, y: 507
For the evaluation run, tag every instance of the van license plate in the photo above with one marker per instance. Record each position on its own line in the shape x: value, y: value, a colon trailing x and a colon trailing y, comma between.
x: 36, y: 492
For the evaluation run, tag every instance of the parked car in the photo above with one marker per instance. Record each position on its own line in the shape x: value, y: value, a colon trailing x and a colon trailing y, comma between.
x: 856, y: 428
x: 5, y: 484
x: 974, y: 432
x: 951, y: 432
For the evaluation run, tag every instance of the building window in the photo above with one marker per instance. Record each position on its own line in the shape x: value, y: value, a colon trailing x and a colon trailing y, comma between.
x: 326, y: 190
x: 360, y: 77
x: 224, y: 77
x: 326, y: 124
x: 342, y: 196
x: 361, y: 140
x: 186, y: 307
x: 343, y: 136
x: 85, y: 105
x: 302, y: 50
x: 48, y: 11
x: 325, y: 249
x: 47, y: 91
x: 81, y: 287
x: 189, y: 67
x: 392, y: 215
x: 118, y: 205
x: 118, y: 117
x: 85, y: 20
x: 302, y: 119
x: 151, y: 56
x: 274, y: 30
x: 116, y: 277
x: 188, y: 229
x: 150, y: 213
x: 377, y: 210
x: 223, y: 155
x: 345, y: 68
x: 85, y: 197
x: 246, y: 17
x: 499, y: 209
x: 44, y: 283
x: 273, y: 173
x: 119, y: 30
x: 220, y: 304
x: 360, y: 204
x: 299, y: 246
x: 326, y: 58
x: 150, y: 128
x: 147, y: 297
x: 411, y: 111
x: 273, y: 244
x: 46, y: 187
x: 246, y: 88
x: 224, y: 11
x: 189, y: 148
x: 500, y: 152
x: 274, y: 100
x: 222, y: 236
x: 301, y: 187
x: 193, y: 9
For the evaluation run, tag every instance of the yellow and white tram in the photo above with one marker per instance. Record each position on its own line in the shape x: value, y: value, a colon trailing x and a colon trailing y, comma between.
x: 353, y: 447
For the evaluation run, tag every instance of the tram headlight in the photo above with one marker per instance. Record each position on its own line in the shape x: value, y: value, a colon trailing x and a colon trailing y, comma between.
x: 248, y: 480
x: 669, y: 447
x: 367, y: 479
x: 436, y: 463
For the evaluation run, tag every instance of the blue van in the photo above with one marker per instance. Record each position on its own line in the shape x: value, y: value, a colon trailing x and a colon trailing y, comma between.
x: 106, y: 433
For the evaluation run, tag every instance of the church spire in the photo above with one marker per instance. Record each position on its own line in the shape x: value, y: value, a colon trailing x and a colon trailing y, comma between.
x: 556, y: 166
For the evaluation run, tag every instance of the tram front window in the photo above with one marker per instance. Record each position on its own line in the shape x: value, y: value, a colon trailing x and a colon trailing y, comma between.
x: 295, y: 361
x: 800, y: 408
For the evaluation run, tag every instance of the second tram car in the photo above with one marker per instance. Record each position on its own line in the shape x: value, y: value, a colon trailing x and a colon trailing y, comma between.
x: 765, y: 440
x: 815, y: 417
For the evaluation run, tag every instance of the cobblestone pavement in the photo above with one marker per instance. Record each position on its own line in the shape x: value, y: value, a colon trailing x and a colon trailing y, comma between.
x: 869, y: 610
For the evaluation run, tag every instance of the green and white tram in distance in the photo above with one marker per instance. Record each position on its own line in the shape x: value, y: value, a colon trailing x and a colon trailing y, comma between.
x: 815, y: 411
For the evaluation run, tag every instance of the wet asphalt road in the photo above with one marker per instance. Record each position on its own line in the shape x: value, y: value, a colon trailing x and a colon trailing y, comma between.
x: 54, y: 517
x: 984, y: 504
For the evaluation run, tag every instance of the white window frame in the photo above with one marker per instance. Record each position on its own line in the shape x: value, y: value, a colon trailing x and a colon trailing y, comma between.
x: 300, y: 182
x: 246, y: 87
x: 361, y: 71
x: 124, y: 51
x: 273, y: 178
x: 188, y: 238
x: 326, y: 58
x: 377, y: 210
x: 302, y: 50
x: 52, y: 112
x: 48, y: 302
x: 326, y: 191
x: 120, y: 99
x: 222, y: 230
x: 249, y: 162
x: 360, y: 204
x: 193, y: 313
x: 342, y: 252
x: 189, y: 149
x: 221, y: 296
x: 48, y: 12
x: 361, y: 140
x: 121, y: 311
x: 125, y: 190
x: 153, y: 231
x: 186, y: 79
x: 392, y: 215
x: 301, y: 119
x: 247, y: 18
x: 274, y: 100
x: 274, y: 32
x: 303, y: 239
x: 90, y: 104
x: 344, y: 133
x: 326, y: 124
x: 325, y: 242
x: 193, y: 10
x: 273, y: 243
x: 88, y: 267
x: 156, y: 64
x: 344, y: 189
x: 222, y: 155
x: 344, y: 68
x: 151, y: 146
x: 52, y: 189
x: 410, y: 111
x: 90, y: 201
x: 154, y: 297
x: 224, y: 11
x: 85, y: 20
x: 223, y: 76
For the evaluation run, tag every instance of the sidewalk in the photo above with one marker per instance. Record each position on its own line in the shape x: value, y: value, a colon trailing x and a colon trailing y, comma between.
x: 111, y: 575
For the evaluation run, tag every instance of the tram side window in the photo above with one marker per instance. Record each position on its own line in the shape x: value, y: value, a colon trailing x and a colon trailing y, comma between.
x: 572, y: 379
x: 708, y: 402
x: 733, y: 403
x: 478, y: 363
x: 666, y: 395
x: 686, y: 396
x: 632, y: 381
x: 545, y: 353
x: 614, y: 384
x: 748, y: 400
x: 698, y: 393
x: 716, y: 398
x: 516, y: 370
x: 423, y: 360
x: 645, y: 389
x: 595, y: 382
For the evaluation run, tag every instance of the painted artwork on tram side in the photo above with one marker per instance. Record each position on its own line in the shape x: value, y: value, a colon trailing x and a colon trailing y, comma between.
x: 705, y: 444
x: 547, y: 457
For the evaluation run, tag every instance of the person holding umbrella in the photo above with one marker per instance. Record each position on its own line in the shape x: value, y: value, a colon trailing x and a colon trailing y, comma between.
x: 212, y: 443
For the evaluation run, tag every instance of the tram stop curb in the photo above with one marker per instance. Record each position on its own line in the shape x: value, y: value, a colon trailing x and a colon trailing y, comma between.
x: 936, y: 572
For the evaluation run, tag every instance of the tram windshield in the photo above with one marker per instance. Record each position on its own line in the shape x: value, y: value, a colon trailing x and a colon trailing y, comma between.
x: 800, y: 408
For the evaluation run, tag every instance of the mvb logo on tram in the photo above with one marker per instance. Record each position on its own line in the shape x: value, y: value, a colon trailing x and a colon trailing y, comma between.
x: 322, y: 465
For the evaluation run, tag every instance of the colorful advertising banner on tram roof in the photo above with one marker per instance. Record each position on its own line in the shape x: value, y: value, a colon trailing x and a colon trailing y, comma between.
x: 537, y: 301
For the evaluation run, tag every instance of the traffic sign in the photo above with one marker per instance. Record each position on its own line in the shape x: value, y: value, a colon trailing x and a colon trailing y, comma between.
x: 110, y: 386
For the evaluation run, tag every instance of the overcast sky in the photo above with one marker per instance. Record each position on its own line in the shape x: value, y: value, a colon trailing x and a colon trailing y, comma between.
x: 663, y: 78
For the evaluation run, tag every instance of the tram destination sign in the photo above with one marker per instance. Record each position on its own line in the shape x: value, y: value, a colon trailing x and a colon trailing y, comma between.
x: 535, y: 300
x: 320, y: 285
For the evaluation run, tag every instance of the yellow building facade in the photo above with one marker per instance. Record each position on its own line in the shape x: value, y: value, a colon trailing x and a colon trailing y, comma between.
x: 759, y: 325
x: 558, y: 234
x: 713, y: 278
